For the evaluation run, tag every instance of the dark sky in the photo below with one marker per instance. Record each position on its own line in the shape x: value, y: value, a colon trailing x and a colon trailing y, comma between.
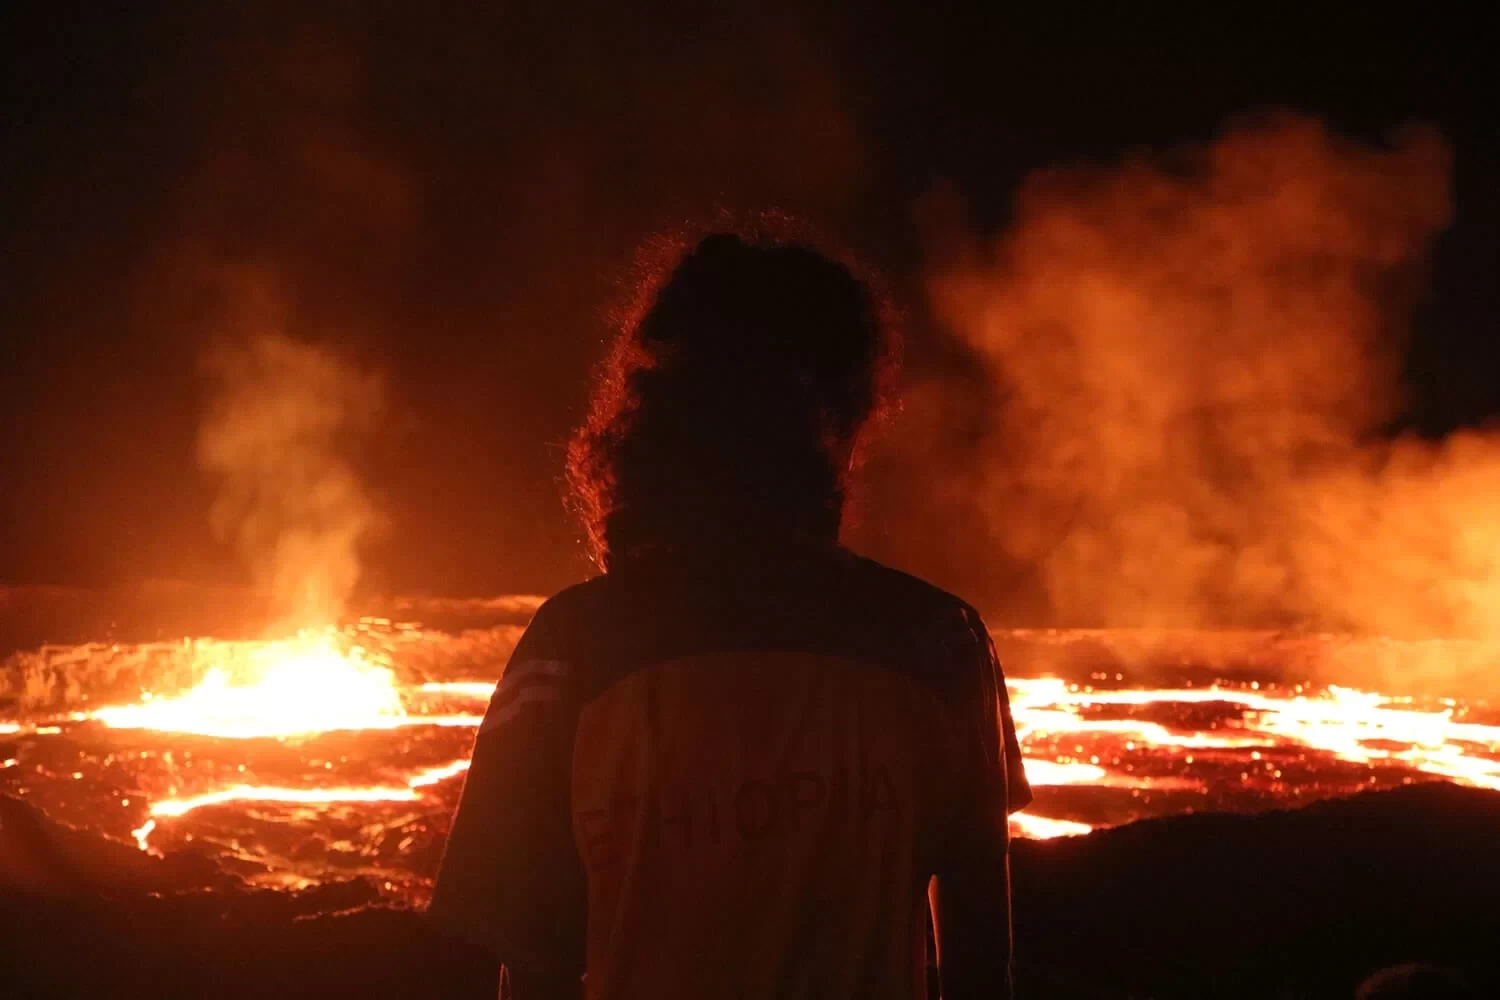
x: 451, y: 194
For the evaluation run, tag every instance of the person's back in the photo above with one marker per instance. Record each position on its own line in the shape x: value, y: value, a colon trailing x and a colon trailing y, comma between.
x: 730, y: 767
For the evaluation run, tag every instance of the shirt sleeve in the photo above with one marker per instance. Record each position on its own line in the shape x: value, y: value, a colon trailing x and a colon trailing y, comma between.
x: 1011, y: 765
x: 511, y: 879
x: 992, y: 775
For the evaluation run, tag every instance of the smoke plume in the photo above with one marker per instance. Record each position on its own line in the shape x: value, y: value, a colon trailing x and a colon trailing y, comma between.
x: 282, y: 417
x: 1194, y: 359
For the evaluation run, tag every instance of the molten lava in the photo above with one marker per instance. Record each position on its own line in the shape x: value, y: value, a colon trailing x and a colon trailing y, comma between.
x: 283, y: 687
x: 1356, y: 726
x: 327, y: 754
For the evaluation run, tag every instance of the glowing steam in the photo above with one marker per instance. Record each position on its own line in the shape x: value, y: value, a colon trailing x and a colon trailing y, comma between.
x: 283, y: 414
x: 1196, y: 356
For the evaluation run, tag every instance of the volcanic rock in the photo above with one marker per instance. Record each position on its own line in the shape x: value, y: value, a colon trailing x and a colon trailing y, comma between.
x: 1288, y: 904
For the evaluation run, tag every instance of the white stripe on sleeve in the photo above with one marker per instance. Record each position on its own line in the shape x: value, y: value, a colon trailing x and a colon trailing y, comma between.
x: 502, y: 712
x: 529, y: 682
x: 519, y: 673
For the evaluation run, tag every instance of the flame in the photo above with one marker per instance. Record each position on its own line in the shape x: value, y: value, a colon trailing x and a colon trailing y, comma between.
x: 285, y: 687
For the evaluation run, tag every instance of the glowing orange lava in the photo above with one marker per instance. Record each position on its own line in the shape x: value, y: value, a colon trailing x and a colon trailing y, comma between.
x: 297, y: 686
x: 300, y: 796
x: 1042, y: 828
x: 1357, y: 726
x: 1131, y: 742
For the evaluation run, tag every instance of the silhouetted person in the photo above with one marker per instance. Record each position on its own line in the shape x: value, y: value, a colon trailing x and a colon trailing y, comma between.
x: 731, y: 765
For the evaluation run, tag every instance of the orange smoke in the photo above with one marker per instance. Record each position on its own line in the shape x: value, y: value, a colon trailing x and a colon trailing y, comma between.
x: 1196, y: 354
x: 275, y: 437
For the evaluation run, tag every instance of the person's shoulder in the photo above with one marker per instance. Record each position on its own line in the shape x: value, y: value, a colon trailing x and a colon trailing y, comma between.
x: 570, y: 603
x: 922, y: 630
x: 565, y: 626
x: 919, y: 598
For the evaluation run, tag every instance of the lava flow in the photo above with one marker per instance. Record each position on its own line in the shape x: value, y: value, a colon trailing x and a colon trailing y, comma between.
x: 284, y: 687
x: 332, y: 753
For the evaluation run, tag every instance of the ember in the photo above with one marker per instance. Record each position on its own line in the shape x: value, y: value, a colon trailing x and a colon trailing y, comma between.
x: 333, y: 753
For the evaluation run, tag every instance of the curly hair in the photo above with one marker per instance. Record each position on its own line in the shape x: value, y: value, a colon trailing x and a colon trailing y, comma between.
x: 733, y: 402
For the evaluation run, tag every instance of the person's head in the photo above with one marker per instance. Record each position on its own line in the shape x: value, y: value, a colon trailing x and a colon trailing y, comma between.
x: 733, y: 404
x: 1414, y: 981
